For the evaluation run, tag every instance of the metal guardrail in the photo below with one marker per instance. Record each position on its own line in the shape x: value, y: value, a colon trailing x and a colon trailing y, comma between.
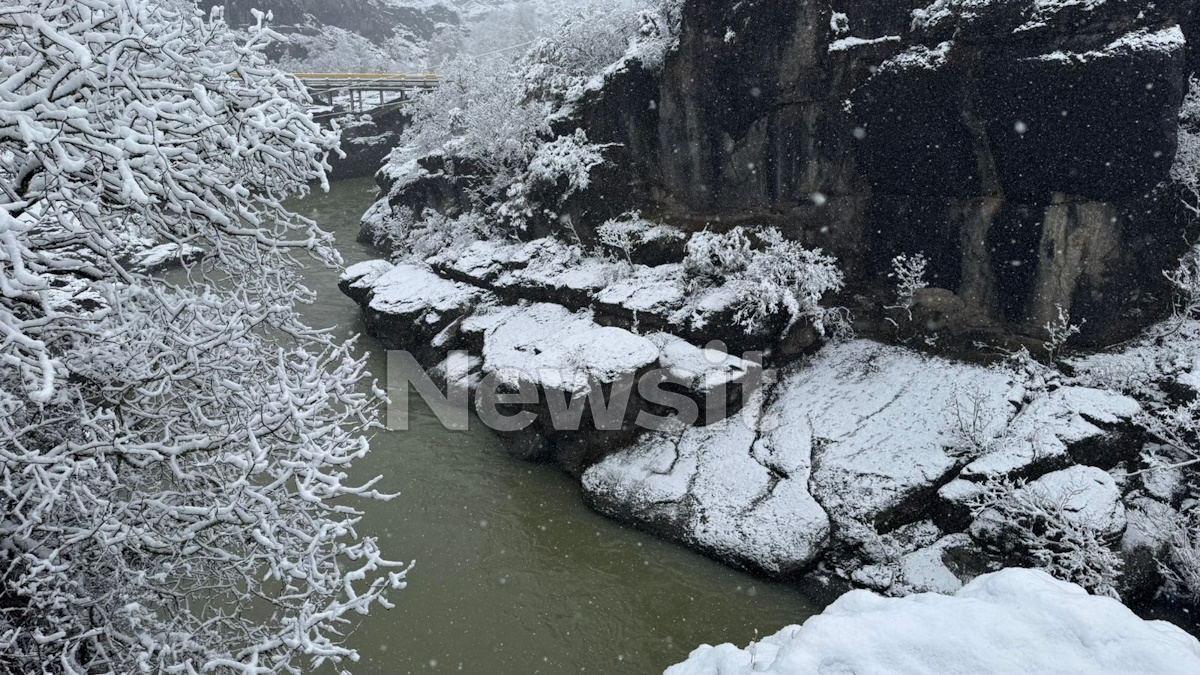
x: 356, y: 84
x: 367, y: 81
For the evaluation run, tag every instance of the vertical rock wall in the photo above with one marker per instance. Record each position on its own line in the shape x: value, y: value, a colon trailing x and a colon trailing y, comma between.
x: 1026, y: 151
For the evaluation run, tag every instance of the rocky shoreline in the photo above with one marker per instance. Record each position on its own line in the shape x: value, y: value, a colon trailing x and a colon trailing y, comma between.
x: 863, y: 460
x: 936, y: 445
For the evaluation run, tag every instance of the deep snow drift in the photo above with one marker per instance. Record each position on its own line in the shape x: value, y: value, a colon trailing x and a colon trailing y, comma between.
x: 1012, y: 621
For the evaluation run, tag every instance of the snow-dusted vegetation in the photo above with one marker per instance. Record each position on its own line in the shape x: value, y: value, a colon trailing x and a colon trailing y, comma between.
x: 505, y: 140
x: 879, y: 300
x: 172, y: 454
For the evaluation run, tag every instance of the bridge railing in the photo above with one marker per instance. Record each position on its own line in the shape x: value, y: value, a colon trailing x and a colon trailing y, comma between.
x: 367, y: 81
x: 328, y: 85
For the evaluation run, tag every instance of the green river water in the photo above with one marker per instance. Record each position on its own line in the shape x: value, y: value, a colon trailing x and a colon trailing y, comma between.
x: 514, y: 575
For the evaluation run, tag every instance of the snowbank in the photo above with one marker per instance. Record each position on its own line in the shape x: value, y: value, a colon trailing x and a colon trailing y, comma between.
x: 1012, y: 621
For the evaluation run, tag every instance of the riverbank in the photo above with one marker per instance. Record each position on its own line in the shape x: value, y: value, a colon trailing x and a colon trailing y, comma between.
x: 515, y: 575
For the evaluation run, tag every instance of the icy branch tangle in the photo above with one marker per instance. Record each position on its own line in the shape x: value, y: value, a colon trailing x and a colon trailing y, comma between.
x: 172, y: 455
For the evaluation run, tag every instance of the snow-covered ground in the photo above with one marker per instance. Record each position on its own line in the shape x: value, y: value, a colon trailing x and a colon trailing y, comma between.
x: 1012, y: 621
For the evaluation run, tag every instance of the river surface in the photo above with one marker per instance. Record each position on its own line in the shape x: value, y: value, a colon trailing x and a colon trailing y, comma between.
x: 514, y: 575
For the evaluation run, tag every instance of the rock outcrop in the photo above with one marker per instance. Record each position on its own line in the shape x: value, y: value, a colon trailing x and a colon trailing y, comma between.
x: 366, y: 141
x: 1022, y: 146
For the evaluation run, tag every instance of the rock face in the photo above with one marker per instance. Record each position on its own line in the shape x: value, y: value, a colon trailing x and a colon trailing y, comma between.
x: 1020, y: 145
x: 366, y: 139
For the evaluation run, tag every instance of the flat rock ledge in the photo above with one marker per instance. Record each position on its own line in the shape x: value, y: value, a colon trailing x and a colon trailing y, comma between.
x: 861, y: 461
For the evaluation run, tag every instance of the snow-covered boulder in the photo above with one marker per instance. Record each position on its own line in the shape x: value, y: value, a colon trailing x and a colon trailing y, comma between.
x: 861, y: 433
x: 883, y: 425
x: 927, y: 570
x: 555, y: 348
x: 356, y: 280
x: 1012, y: 621
x: 1068, y: 424
x: 407, y: 306
x: 714, y: 380
x: 732, y: 490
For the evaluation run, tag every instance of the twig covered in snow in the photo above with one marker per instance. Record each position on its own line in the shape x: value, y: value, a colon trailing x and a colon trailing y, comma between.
x: 909, y: 275
x: 1046, y: 530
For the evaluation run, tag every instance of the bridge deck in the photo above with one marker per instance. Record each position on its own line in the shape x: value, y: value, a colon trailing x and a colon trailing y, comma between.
x: 367, y: 81
x: 327, y: 86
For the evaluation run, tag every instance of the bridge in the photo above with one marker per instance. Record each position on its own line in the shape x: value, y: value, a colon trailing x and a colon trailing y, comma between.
x: 393, y: 90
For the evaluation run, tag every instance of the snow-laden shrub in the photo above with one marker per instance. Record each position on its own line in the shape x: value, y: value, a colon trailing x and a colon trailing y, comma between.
x: 630, y: 232
x: 1059, y: 331
x: 908, y: 271
x: 478, y: 115
x: 1044, y: 530
x: 600, y: 39
x: 173, y: 454
x: 1180, y: 561
x: 712, y: 257
x: 569, y: 159
x: 1186, y: 281
x: 415, y: 239
x: 776, y: 278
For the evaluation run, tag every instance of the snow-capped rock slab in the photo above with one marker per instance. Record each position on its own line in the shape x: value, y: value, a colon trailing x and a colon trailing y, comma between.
x: 1052, y: 428
x: 1012, y: 621
x: 647, y: 291
x: 876, y: 422
x: 555, y: 348
x: 710, y: 377
x: 409, y: 306
x: 355, y: 281
x: 881, y: 423
x: 408, y: 290
x: 715, y: 488
x: 540, y: 270
x: 363, y: 274
x: 926, y: 571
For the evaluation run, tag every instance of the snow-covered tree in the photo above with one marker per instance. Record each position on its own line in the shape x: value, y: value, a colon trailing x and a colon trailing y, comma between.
x: 172, y: 455
x: 776, y: 278
x: 493, y: 118
x: 909, y: 275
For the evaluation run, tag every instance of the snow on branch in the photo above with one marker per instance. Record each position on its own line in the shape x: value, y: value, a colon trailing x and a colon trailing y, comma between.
x: 170, y: 454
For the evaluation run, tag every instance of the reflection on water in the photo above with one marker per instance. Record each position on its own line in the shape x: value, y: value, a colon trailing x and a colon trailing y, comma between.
x: 514, y: 574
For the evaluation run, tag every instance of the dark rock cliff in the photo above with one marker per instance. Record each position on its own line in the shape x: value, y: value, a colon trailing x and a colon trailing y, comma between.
x: 1023, y: 147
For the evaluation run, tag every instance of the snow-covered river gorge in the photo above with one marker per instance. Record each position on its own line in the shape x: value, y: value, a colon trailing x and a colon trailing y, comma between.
x: 514, y: 574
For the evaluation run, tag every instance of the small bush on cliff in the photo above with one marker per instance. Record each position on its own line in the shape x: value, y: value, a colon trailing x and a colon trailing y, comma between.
x: 776, y: 278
